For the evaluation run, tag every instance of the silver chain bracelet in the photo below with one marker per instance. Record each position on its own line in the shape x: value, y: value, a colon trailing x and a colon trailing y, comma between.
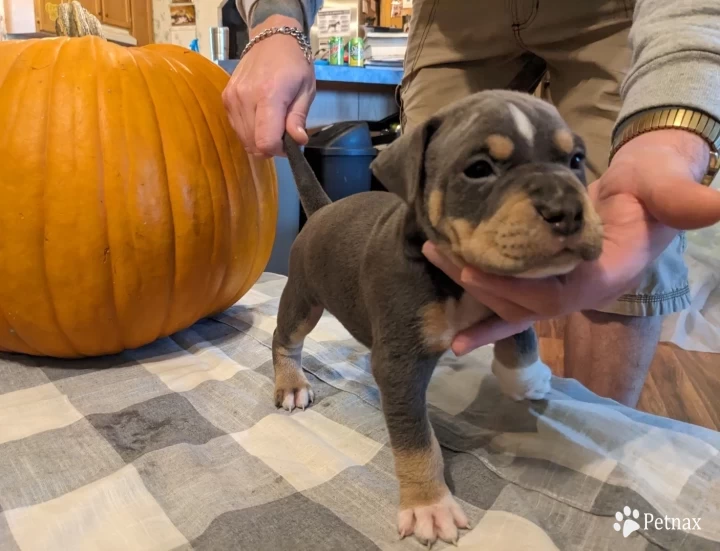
x: 296, y: 33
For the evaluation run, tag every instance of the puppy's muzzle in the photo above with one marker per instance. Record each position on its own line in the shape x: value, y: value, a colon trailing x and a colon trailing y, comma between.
x: 558, y: 197
x: 561, y: 207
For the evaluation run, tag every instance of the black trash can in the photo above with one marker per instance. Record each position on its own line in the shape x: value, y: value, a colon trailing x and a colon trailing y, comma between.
x: 340, y: 155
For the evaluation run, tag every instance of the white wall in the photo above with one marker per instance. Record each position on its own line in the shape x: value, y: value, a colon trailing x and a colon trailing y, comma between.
x: 207, y: 13
x: 161, y: 20
x: 2, y: 20
x: 164, y: 32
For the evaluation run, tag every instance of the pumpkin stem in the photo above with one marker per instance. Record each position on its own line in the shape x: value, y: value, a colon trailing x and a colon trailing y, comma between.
x: 74, y: 20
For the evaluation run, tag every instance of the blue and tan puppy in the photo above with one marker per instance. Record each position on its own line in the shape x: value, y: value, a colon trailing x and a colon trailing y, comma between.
x: 498, y: 180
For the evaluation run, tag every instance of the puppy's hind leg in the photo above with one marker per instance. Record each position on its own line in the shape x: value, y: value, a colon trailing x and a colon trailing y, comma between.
x: 297, y: 317
x: 518, y: 367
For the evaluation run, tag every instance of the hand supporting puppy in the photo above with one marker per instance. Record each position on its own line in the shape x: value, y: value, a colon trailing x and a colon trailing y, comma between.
x: 648, y: 193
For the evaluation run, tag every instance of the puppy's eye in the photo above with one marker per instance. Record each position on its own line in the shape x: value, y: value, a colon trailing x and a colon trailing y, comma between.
x: 479, y: 169
x: 576, y: 161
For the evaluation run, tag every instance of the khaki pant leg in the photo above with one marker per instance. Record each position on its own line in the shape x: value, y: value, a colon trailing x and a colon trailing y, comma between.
x: 432, y: 88
x: 456, y: 48
x: 588, y: 59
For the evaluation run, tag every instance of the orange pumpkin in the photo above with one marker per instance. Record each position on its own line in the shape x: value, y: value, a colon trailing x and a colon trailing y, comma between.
x: 128, y: 208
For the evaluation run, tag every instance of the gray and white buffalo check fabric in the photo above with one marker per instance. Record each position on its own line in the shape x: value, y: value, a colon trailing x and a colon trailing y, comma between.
x: 178, y: 446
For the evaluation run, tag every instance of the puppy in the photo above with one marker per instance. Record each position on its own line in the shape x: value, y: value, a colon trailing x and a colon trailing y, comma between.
x: 496, y: 179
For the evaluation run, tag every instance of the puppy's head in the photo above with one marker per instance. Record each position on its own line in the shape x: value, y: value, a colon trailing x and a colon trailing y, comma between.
x: 499, y: 180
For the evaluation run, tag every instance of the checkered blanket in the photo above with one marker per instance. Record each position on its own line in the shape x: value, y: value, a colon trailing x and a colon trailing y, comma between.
x: 178, y: 446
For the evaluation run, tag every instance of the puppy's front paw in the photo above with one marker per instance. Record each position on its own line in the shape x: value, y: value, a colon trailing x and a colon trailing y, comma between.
x: 297, y: 395
x: 531, y: 382
x: 430, y: 522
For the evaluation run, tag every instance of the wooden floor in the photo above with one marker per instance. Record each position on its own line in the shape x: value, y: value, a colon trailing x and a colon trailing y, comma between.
x: 681, y: 385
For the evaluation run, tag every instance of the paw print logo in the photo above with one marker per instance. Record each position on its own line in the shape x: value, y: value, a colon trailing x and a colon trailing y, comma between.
x: 628, y: 519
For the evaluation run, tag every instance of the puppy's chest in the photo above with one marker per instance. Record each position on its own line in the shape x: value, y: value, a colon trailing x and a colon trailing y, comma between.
x: 442, y: 320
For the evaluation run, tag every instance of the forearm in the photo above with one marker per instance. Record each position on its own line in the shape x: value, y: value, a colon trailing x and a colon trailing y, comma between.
x: 257, y: 12
x: 676, y: 57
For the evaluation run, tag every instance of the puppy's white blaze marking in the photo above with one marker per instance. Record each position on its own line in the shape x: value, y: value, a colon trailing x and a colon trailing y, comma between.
x: 441, y: 519
x: 532, y: 382
x: 523, y: 124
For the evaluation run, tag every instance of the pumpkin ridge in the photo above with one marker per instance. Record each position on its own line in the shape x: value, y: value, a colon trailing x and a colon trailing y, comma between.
x: 101, y: 185
x: 256, y: 269
x: 136, y: 54
x: 251, y: 271
x: 16, y: 115
x: 48, y: 125
x: 123, y: 88
x: 258, y: 226
x: 261, y: 205
x: 243, y: 195
x: 12, y: 65
x: 192, y: 280
x: 200, y: 311
x: 163, y: 327
x: 235, y: 182
x: 236, y: 176
x: 241, y: 164
x: 31, y: 349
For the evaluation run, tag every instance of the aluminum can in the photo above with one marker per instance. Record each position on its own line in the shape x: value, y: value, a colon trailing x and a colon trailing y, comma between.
x: 356, y: 52
x: 336, y: 49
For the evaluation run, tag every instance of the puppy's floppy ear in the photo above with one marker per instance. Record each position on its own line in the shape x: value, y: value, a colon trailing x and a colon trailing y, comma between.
x: 401, y: 166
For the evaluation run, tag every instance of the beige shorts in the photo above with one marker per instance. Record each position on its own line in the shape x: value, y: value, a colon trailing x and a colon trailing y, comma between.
x: 458, y: 47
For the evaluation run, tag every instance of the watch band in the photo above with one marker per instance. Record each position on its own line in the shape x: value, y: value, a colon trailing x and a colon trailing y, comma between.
x: 691, y: 120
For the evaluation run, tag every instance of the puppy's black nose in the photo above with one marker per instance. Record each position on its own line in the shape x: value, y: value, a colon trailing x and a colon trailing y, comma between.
x: 564, y: 214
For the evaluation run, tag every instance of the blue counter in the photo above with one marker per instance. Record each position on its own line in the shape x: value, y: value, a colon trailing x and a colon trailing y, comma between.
x: 343, y: 73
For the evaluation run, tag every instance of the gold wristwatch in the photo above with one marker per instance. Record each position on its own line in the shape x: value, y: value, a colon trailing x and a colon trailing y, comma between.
x: 691, y: 120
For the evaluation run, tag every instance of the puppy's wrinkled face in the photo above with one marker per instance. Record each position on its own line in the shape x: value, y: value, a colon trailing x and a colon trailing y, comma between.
x: 502, y: 186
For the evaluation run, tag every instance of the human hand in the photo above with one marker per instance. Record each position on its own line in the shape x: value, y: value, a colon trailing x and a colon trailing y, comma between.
x: 649, y: 192
x: 270, y: 91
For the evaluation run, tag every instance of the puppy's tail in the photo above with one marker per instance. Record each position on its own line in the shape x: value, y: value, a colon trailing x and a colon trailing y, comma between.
x: 312, y: 195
